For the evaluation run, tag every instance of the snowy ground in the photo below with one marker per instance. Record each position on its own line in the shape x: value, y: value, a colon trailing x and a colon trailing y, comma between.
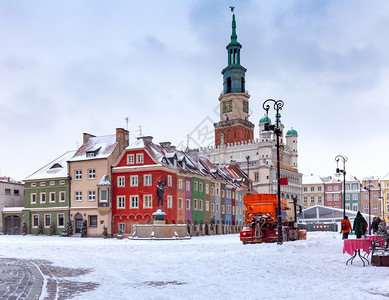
x: 210, y: 267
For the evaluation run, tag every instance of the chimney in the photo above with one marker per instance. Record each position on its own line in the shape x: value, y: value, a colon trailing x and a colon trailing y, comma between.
x: 166, y: 145
x: 146, y: 138
x: 86, y: 137
x: 194, y: 153
x: 122, y: 137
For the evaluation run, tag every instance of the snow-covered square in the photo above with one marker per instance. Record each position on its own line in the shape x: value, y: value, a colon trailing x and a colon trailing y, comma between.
x: 209, y: 267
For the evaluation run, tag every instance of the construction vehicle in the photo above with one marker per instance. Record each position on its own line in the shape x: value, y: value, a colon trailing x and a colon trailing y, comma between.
x: 261, y: 219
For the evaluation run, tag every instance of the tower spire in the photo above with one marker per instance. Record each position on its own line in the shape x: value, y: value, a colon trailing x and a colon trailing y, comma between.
x: 234, y: 37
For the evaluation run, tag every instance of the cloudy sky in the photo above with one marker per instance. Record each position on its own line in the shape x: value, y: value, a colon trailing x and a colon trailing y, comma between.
x: 68, y: 67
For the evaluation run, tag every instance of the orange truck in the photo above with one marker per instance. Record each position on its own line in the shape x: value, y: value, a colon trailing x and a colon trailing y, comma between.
x: 261, y: 219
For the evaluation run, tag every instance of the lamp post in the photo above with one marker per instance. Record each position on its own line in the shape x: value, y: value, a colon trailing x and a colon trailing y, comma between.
x: 338, y: 172
x: 277, y: 105
x: 248, y: 170
x: 369, y: 179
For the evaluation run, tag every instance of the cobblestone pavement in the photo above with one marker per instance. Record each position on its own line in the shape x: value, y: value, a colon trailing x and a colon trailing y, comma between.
x: 39, y: 279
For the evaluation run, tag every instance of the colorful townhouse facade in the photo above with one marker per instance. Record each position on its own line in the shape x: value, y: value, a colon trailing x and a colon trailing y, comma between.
x: 371, y: 196
x: 333, y: 192
x: 91, y: 182
x: 385, y: 198
x: 47, y: 197
x: 313, y: 190
x: 353, y: 194
x: 190, y: 194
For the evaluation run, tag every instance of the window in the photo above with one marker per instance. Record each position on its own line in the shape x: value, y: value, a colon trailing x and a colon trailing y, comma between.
x: 169, y: 180
x: 33, y: 184
x: 43, y: 198
x: 78, y: 175
x: 169, y: 201
x: 347, y: 207
x: 375, y: 196
x: 375, y: 208
x: 348, y: 197
x: 212, y: 190
x: 61, y: 196
x: 207, y: 205
x: 365, y: 196
x: 35, y: 221
x: 52, y: 182
x: 33, y: 198
x: 122, y: 227
x: 187, y: 204
x: 305, y: 200
x: 256, y: 177
x: 347, y: 187
x: 366, y: 208
x: 62, y: 182
x: 92, y: 221
x: 78, y: 196
x: 355, y: 186
x: 319, y: 199
x: 47, y: 220
x: 134, y: 180
x: 212, y: 206
x: 336, y: 197
x: 52, y: 197
x: 147, y: 201
x: 312, y: 199
x: 355, y: 207
x: 180, y: 184
x: 217, y: 207
x: 207, y: 188
x: 329, y: 197
x: 16, y: 192
x: 139, y: 158
x: 134, y: 202
x: 121, y: 202
x: 121, y: 181
x: 147, y: 180
x: 60, y: 220
x: 91, y: 174
x: 130, y: 159
x: 223, y: 210
x: 180, y: 203
x: 305, y: 189
x: 223, y: 193
x: 195, y: 186
x: 201, y: 205
x: 200, y: 187
x: 312, y: 188
x: 103, y: 195
x: 355, y: 196
x: 195, y: 204
x: 188, y: 186
x: 319, y: 188
x: 336, y: 188
x: 330, y: 188
x: 91, y: 196
x: 43, y: 183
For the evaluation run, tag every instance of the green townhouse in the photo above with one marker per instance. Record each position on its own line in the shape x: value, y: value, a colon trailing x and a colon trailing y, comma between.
x: 46, y: 198
x: 198, y: 195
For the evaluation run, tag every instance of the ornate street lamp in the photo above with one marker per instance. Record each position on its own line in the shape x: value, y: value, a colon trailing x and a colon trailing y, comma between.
x: 368, y: 187
x: 277, y: 105
x: 338, y: 172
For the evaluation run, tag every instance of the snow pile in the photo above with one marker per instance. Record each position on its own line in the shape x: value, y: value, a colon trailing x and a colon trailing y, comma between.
x: 210, y: 267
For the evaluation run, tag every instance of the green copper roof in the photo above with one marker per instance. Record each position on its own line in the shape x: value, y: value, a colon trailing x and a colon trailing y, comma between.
x: 234, y: 37
x: 275, y: 122
x: 265, y: 119
x: 291, y: 132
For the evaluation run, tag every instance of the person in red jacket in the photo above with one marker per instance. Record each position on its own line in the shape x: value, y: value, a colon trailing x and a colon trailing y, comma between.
x: 346, y: 228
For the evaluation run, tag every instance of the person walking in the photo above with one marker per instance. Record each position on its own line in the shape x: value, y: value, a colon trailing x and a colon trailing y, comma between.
x: 360, y: 225
x: 345, y: 226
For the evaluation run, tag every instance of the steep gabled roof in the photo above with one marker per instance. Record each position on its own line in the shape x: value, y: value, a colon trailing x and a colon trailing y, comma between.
x: 96, y: 148
x: 58, y: 168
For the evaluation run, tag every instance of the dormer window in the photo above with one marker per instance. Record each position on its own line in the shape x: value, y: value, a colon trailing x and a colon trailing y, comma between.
x: 56, y: 165
x: 93, y: 153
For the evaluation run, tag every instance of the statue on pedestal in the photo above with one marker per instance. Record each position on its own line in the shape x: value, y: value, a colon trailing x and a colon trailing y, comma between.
x: 160, y: 191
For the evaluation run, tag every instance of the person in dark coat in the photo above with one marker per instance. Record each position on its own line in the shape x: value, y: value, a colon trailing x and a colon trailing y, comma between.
x: 360, y: 225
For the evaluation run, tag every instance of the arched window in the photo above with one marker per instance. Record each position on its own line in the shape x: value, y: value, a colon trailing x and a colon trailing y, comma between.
x: 228, y: 85
x: 242, y: 85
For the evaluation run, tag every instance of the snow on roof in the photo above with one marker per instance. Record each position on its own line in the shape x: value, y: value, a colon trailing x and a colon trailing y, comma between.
x: 104, y: 180
x: 96, y: 148
x: 13, y: 209
x: 139, y: 144
x: 9, y: 180
x: 58, y: 168
x: 312, y: 179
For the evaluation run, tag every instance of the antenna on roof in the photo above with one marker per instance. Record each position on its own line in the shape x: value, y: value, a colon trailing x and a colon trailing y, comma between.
x: 140, y: 130
x: 126, y: 119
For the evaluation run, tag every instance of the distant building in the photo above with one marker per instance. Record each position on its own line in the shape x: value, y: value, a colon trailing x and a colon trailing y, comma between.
x: 353, y: 194
x: 11, y: 203
x: 332, y: 192
x: 385, y: 197
x: 313, y: 190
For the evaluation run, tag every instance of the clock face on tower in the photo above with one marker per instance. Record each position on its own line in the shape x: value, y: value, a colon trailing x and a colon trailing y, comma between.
x: 227, y: 106
x: 245, y: 106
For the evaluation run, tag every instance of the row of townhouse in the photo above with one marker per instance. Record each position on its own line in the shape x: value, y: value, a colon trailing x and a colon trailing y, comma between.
x: 360, y: 195
x: 112, y: 185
